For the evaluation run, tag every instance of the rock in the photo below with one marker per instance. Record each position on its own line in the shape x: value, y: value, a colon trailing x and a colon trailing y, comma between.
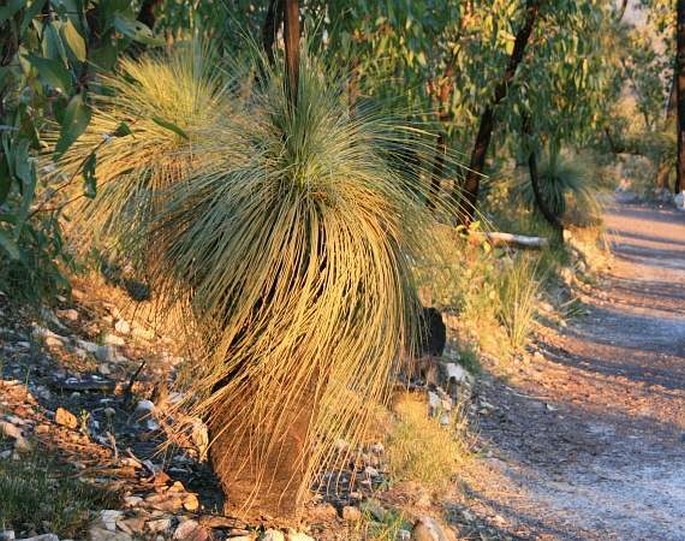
x: 191, y: 503
x: 7, y: 535
x: 298, y: 536
x: 69, y: 314
x: 44, y: 537
x: 97, y: 533
x: 122, y: 327
x: 113, y: 340
x: 164, y: 502
x: 159, y: 525
x: 377, y: 449
x: 273, y: 535
x: 371, y: 472
x: 109, y: 518
x: 106, y: 354
x: 90, y: 347
x: 104, y: 369
x: 144, y: 408
x: 351, y: 514
x: 10, y: 430
x: 53, y: 342
x: 190, y: 530
x: 132, y: 501
x: 404, y: 535
x: 66, y: 418
x: 427, y: 529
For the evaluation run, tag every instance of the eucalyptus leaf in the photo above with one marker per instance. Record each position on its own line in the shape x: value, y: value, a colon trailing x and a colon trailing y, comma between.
x: 76, y: 120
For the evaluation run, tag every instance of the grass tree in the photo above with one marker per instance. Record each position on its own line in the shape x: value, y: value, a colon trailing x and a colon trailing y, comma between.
x: 290, y: 232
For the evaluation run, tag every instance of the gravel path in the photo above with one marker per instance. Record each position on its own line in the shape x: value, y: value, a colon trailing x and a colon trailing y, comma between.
x: 589, y: 444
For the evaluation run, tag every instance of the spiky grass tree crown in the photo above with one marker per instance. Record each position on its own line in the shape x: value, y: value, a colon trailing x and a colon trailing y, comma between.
x: 292, y: 234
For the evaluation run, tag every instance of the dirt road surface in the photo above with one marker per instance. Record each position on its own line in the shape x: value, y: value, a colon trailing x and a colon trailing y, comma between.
x: 590, y: 443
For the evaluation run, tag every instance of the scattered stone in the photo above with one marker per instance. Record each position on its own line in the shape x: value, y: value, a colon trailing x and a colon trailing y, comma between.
x: 90, y: 347
x: 44, y: 537
x: 122, y: 327
x: 97, y: 533
x: 273, y: 535
x: 159, y: 525
x: 371, y: 472
x: 164, y: 502
x: 113, y: 340
x: 66, y: 418
x: 10, y: 430
x: 191, y: 503
x: 69, y: 314
x: 427, y: 529
x: 298, y: 536
x: 109, y: 518
x: 132, y: 526
x: 190, y: 530
x: 144, y: 408
x: 404, y: 535
x: 351, y: 514
x: 132, y: 501
x: 7, y: 535
x: 104, y: 369
x: 53, y: 342
x: 106, y: 354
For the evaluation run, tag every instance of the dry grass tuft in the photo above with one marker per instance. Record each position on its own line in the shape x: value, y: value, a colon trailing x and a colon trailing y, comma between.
x: 420, y: 449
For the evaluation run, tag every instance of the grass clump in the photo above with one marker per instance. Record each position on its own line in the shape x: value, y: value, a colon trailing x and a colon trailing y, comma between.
x: 420, y: 449
x: 517, y: 292
x: 40, y: 494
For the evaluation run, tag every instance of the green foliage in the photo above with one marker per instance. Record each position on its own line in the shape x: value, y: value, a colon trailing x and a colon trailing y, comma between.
x: 51, y: 53
x: 40, y: 494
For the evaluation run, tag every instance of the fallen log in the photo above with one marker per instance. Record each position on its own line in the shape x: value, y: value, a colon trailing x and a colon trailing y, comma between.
x: 509, y: 239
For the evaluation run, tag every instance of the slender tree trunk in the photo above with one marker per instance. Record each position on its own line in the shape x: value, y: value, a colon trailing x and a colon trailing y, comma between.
x: 467, y: 200
x: 680, y: 74
x: 438, y: 172
x: 291, y: 22
x: 273, y: 19
x: 664, y: 169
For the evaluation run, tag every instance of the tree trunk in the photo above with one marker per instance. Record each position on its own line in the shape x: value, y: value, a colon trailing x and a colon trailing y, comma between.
x: 291, y: 22
x: 468, y: 199
x: 438, y: 172
x: 664, y: 168
x: 273, y: 19
x: 540, y: 202
x: 680, y: 74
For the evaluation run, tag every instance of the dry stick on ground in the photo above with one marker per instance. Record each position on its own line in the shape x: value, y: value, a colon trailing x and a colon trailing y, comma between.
x: 466, y: 200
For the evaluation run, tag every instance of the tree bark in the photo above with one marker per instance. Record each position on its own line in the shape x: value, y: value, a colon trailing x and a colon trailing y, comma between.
x: 540, y: 202
x: 680, y: 74
x: 438, y: 172
x: 291, y: 22
x: 467, y: 200
x: 664, y: 169
x: 273, y: 19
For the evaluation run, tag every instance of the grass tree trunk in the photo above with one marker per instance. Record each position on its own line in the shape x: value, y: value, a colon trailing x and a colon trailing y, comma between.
x: 540, y: 202
x: 282, y: 488
x: 680, y: 75
x: 468, y: 198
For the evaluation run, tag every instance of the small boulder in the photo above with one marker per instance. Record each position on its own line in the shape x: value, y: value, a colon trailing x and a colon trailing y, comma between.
x: 64, y: 417
x: 273, y: 535
x: 190, y: 530
x: 122, y: 327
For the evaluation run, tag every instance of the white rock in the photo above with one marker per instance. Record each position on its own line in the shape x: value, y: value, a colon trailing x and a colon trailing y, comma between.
x: 97, y: 533
x: 10, y: 430
x: 273, y: 535
x: 7, y: 535
x: 113, y: 340
x: 122, y: 327
x: 106, y: 354
x: 679, y: 200
x: 109, y: 518
x: 132, y: 501
x: 70, y: 314
x: 298, y: 536
x: 456, y: 373
x: 158, y: 526
x: 144, y: 407
x: 90, y: 347
x: 190, y: 530
x: 371, y: 472
x: 44, y: 537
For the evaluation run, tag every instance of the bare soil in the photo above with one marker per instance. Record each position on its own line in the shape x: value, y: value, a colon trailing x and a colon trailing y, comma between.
x: 587, y: 441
